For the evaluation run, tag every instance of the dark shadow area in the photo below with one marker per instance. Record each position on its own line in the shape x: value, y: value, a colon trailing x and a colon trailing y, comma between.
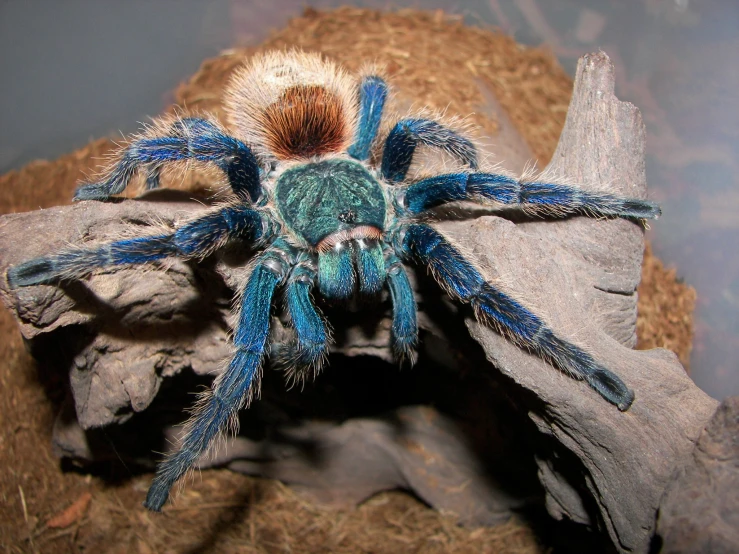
x: 232, y: 517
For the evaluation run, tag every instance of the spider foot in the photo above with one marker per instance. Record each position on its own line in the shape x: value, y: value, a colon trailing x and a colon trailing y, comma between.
x: 92, y: 191
x: 37, y: 271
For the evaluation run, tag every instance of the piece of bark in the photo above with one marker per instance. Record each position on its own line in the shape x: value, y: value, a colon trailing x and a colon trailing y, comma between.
x: 124, y: 330
x: 129, y: 329
x: 700, y: 509
x: 581, y: 274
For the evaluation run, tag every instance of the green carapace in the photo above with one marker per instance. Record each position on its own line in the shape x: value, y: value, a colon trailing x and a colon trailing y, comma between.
x: 319, y: 199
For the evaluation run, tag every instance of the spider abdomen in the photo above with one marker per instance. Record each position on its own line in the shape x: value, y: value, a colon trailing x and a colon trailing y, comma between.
x: 305, y: 121
x: 330, y: 201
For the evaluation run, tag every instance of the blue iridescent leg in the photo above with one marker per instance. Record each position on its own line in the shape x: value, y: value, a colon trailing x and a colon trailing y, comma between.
x: 190, y: 139
x: 312, y: 338
x: 152, y: 177
x: 463, y: 282
x: 407, y: 134
x: 372, y: 96
x: 405, y: 327
x: 232, y: 389
x: 194, y: 239
x: 544, y: 198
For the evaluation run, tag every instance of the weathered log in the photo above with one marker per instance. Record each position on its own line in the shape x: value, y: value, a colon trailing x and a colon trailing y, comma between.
x: 584, y: 279
x: 126, y: 330
x: 700, y: 509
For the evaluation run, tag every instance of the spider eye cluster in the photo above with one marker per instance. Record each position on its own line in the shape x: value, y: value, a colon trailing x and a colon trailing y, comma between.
x: 293, y: 106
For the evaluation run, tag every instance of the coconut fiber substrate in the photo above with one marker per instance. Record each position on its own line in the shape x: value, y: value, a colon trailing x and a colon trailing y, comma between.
x: 51, y: 506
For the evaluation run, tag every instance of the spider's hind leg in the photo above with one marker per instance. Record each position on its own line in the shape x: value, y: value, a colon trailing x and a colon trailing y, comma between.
x: 232, y: 388
x: 493, y: 307
x: 189, y: 138
x: 372, y: 96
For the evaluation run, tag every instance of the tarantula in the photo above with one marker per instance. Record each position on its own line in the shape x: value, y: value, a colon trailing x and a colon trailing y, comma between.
x: 308, y: 194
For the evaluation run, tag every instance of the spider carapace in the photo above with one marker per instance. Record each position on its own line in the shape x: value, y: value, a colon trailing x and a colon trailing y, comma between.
x: 319, y: 175
x: 338, y: 208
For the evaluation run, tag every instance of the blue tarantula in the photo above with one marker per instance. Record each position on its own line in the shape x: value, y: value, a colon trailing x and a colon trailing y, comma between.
x: 330, y: 212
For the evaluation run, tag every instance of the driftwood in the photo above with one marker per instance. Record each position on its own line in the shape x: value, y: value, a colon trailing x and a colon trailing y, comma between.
x: 123, y: 333
x: 700, y: 509
x: 626, y: 459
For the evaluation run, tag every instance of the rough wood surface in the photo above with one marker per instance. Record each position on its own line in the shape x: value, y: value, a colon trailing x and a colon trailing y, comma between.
x: 582, y: 275
x: 123, y: 332
x: 700, y: 510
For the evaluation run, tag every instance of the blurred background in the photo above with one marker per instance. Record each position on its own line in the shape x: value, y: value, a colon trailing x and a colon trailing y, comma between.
x: 75, y: 70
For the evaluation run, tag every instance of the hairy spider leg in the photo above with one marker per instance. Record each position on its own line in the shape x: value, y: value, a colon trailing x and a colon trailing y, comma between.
x: 543, y: 198
x: 310, y: 329
x: 404, y: 330
x: 153, y: 174
x: 180, y: 128
x: 232, y: 388
x: 463, y: 282
x: 372, y: 96
x: 191, y: 139
x: 401, y: 143
x: 194, y: 239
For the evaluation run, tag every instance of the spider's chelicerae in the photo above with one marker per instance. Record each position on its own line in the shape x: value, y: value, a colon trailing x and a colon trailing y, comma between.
x: 299, y: 156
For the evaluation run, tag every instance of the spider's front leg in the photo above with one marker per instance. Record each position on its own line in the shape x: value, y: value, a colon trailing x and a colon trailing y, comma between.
x: 465, y: 283
x: 234, y: 387
x: 194, y: 239
x: 187, y: 139
x: 536, y: 197
x: 306, y: 356
x: 405, y: 325
x: 407, y: 134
